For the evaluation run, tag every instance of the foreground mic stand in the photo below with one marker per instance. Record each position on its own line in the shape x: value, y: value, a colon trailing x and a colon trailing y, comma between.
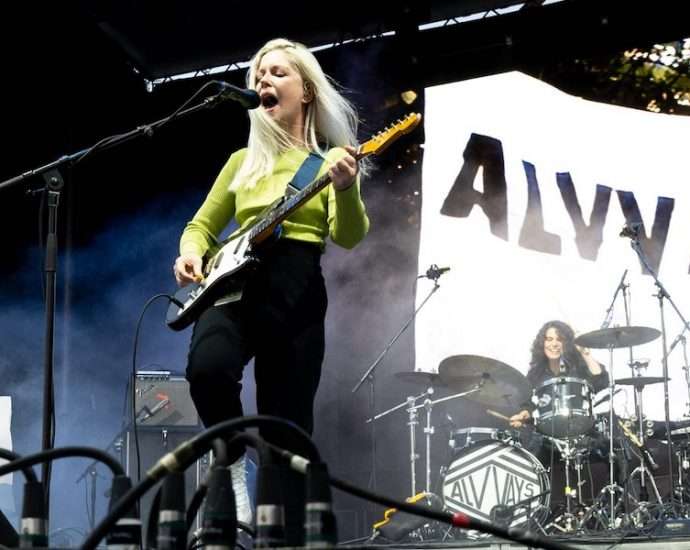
x: 54, y: 185
x: 661, y: 294
x: 369, y: 373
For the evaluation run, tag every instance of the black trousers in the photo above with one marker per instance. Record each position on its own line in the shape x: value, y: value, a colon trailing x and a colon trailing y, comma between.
x: 280, y: 323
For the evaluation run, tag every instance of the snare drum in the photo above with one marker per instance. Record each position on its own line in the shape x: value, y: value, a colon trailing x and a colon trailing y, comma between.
x: 564, y: 407
x: 459, y: 439
x: 490, y: 473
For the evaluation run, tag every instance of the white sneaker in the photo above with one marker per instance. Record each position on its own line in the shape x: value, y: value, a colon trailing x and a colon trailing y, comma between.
x: 238, y: 469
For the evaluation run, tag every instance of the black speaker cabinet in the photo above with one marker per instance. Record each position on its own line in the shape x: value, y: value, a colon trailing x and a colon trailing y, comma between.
x: 153, y: 444
x: 163, y: 400
x: 165, y: 417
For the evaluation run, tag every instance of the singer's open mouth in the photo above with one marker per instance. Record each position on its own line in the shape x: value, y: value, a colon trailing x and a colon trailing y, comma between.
x: 268, y: 101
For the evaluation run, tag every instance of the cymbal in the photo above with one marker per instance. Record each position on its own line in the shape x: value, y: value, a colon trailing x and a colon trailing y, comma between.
x: 640, y: 381
x: 617, y: 337
x: 420, y: 378
x: 501, y: 384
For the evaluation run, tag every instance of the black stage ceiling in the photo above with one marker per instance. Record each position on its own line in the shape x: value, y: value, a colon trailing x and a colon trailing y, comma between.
x: 161, y: 39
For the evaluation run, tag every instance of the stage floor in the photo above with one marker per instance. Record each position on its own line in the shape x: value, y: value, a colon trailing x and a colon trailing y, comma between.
x: 588, y: 543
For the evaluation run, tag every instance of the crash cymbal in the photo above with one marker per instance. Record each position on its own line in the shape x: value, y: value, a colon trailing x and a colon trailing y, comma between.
x: 640, y: 381
x: 617, y: 337
x: 501, y: 384
x: 420, y: 378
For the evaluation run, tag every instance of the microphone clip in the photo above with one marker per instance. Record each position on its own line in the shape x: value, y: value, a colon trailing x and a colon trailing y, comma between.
x: 434, y: 272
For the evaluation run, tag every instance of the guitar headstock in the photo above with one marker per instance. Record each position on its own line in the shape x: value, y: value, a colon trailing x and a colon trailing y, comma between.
x: 381, y: 141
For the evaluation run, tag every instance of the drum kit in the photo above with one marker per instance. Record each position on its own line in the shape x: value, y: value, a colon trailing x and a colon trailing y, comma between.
x: 495, y: 475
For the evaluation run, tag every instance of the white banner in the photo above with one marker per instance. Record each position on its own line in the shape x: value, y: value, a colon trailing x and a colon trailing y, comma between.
x: 525, y: 192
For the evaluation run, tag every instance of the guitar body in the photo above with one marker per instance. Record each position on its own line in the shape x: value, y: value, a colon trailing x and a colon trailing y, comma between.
x: 224, y: 278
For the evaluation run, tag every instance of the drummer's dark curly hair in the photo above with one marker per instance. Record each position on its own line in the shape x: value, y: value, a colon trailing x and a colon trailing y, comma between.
x: 539, y: 364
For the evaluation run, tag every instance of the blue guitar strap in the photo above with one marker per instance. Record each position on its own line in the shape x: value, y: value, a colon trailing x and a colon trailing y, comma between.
x: 306, y: 174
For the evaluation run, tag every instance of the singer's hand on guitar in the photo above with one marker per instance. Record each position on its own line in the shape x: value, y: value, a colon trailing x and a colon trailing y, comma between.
x: 187, y: 269
x: 518, y: 420
x: 344, y: 172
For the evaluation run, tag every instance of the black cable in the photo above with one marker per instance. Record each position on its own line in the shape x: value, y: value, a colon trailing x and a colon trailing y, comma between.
x: 29, y: 474
x: 132, y: 384
x: 259, y: 444
x: 63, y: 452
x: 454, y: 519
x: 183, y: 456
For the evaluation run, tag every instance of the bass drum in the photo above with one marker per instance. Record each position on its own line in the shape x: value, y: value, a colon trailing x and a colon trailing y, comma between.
x: 492, y: 473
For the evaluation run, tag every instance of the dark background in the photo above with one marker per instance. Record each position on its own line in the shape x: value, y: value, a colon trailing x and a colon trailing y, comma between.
x: 76, y: 74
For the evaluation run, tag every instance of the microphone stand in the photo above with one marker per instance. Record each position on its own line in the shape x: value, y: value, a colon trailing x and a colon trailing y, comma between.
x: 53, y: 188
x: 369, y: 376
x: 661, y: 294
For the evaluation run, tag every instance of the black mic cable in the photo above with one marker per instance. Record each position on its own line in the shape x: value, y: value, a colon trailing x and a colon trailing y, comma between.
x: 33, y: 532
x: 320, y: 526
x: 182, y: 457
x: 455, y: 519
x: 172, y: 532
x: 219, y: 518
x: 270, y: 510
x: 126, y: 534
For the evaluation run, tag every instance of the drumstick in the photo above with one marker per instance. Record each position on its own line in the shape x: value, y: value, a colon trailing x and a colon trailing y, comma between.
x: 498, y: 415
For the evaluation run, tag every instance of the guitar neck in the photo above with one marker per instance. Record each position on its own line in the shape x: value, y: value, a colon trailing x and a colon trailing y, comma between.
x: 284, y: 209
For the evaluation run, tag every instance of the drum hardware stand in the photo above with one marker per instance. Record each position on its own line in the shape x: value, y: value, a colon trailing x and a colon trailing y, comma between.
x: 639, y: 441
x: 569, y: 451
x: 633, y: 230
x: 432, y: 273
x: 428, y: 430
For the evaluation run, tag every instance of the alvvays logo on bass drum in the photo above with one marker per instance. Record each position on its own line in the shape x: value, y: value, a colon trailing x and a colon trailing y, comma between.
x: 492, y: 473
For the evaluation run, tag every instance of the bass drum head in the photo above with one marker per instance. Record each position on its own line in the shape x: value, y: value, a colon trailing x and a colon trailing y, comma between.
x: 491, y: 473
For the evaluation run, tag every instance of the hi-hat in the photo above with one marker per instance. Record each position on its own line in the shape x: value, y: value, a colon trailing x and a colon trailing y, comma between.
x: 420, y: 378
x: 500, y: 385
x: 617, y: 337
x: 640, y: 381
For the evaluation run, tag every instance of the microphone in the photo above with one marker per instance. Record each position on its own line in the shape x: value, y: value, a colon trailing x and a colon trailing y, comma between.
x: 320, y: 526
x: 34, y: 523
x: 631, y: 230
x: 270, y: 512
x: 249, y: 99
x: 148, y: 413
x: 434, y: 272
x: 219, y: 520
x: 126, y: 534
x: 172, y: 530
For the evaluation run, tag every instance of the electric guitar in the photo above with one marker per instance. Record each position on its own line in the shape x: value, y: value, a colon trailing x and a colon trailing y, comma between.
x: 225, y: 273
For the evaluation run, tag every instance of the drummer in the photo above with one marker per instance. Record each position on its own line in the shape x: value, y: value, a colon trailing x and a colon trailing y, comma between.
x: 554, y: 353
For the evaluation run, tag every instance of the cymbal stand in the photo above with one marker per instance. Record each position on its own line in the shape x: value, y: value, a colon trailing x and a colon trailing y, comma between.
x: 661, y: 294
x: 686, y: 371
x: 612, y: 486
x: 412, y: 423
x: 429, y: 430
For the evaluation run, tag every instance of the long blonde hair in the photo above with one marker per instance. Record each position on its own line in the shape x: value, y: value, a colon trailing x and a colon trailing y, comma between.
x: 330, y: 119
